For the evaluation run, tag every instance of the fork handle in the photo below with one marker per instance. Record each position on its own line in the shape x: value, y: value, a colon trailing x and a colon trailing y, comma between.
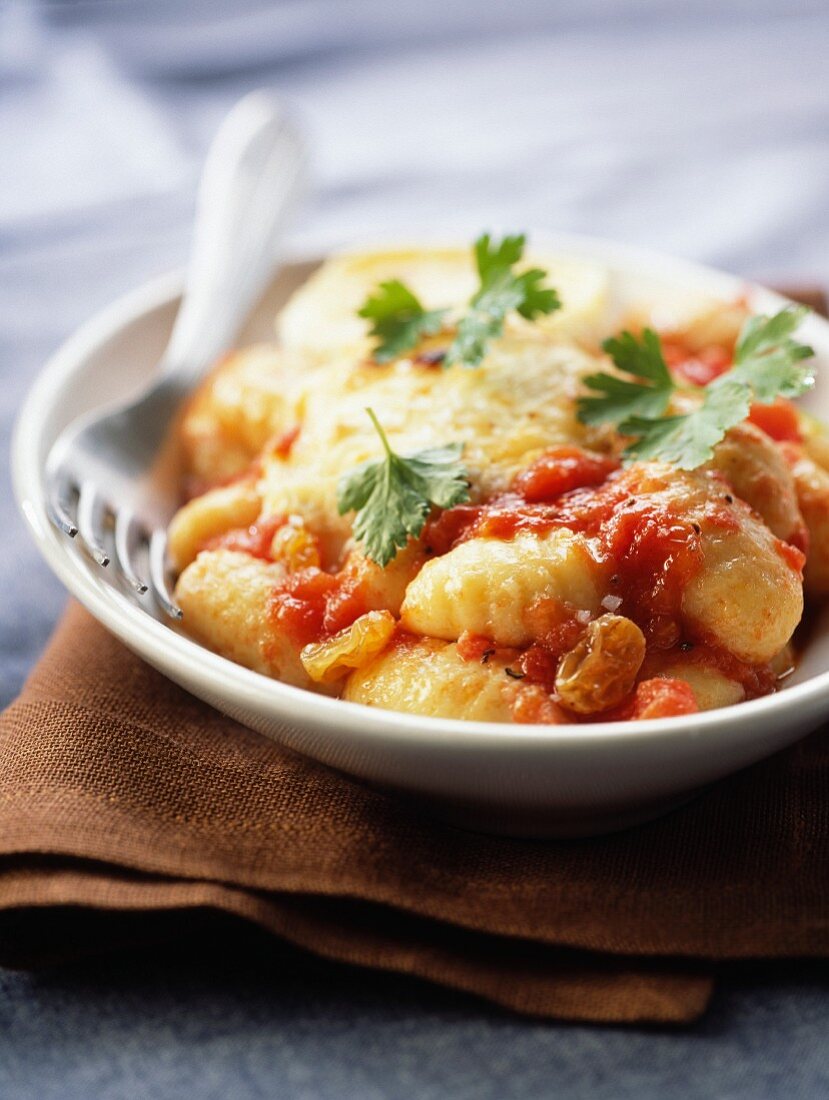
x: 254, y: 172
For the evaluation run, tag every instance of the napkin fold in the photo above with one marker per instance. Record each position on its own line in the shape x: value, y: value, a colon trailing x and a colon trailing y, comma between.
x: 119, y: 792
x: 122, y: 795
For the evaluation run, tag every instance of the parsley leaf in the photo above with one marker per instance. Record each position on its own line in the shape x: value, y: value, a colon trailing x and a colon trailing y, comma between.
x: 688, y: 441
x: 500, y: 291
x: 400, y: 321
x: 768, y: 362
x: 621, y: 400
x: 393, y: 496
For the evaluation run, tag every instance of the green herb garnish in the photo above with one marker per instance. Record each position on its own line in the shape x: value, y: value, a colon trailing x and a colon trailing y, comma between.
x: 393, y: 496
x: 768, y: 363
x: 500, y: 291
x: 400, y: 320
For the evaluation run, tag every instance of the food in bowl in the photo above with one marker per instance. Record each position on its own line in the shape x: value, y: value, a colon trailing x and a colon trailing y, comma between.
x: 453, y: 486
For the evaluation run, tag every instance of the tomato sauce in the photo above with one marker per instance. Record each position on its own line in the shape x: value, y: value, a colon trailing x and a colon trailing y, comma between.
x: 540, y: 662
x: 649, y: 553
x: 449, y: 527
x: 310, y: 605
x: 561, y: 469
x: 779, y: 420
x: 697, y: 367
x: 792, y: 555
x: 283, y: 444
x: 661, y: 698
x: 475, y: 647
x: 756, y: 680
x: 254, y: 540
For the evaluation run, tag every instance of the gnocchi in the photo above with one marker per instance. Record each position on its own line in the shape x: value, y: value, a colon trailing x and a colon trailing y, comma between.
x: 428, y: 676
x: 494, y: 586
x: 572, y: 585
x: 225, y: 595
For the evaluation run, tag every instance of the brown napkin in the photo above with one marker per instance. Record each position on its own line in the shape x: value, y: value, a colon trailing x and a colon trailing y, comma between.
x: 120, y: 793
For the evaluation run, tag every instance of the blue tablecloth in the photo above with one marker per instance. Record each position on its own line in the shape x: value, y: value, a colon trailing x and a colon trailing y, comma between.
x: 701, y: 129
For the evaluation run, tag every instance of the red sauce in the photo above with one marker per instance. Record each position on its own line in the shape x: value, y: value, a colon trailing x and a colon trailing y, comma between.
x: 540, y: 663
x: 310, y: 604
x: 697, y: 367
x: 662, y: 698
x: 562, y: 469
x: 756, y: 680
x: 534, y: 707
x: 779, y: 420
x: 254, y: 540
x: 283, y: 444
x: 793, y: 556
x: 557, y: 625
x: 656, y: 556
x: 649, y: 552
x: 475, y: 647
x: 450, y: 527
x: 345, y: 604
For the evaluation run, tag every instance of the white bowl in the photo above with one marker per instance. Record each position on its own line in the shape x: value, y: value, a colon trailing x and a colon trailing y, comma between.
x: 519, y: 780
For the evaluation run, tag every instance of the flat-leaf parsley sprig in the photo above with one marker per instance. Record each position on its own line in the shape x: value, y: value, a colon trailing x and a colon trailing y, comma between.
x: 768, y: 363
x: 393, y: 496
x: 500, y: 291
x: 400, y: 321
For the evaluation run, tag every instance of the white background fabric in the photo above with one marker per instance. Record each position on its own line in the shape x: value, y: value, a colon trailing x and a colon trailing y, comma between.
x: 701, y: 128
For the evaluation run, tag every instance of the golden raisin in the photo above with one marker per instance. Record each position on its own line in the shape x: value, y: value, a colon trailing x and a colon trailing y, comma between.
x: 295, y: 546
x: 351, y: 648
x: 600, y: 671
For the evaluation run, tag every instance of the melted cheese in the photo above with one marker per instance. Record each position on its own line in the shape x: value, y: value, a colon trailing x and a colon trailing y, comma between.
x: 507, y: 411
x: 321, y: 319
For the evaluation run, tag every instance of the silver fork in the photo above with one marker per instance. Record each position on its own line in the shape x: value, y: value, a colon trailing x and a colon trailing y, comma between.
x: 106, y: 472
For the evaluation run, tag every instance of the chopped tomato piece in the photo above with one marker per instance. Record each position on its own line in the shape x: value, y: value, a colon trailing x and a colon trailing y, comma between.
x: 656, y: 555
x: 539, y: 664
x: 779, y: 420
x: 344, y: 605
x: 254, y: 540
x: 283, y: 444
x: 441, y: 533
x: 697, y: 367
x: 310, y: 605
x: 533, y: 706
x: 561, y: 469
x: 474, y: 647
x: 792, y: 555
x: 299, y: 602
x: 663, y: 698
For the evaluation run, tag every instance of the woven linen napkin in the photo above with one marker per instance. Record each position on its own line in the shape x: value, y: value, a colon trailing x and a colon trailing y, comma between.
x: 121, y: 794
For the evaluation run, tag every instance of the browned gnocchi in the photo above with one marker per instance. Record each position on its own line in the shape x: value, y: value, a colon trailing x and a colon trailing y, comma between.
x: 563, y: 583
